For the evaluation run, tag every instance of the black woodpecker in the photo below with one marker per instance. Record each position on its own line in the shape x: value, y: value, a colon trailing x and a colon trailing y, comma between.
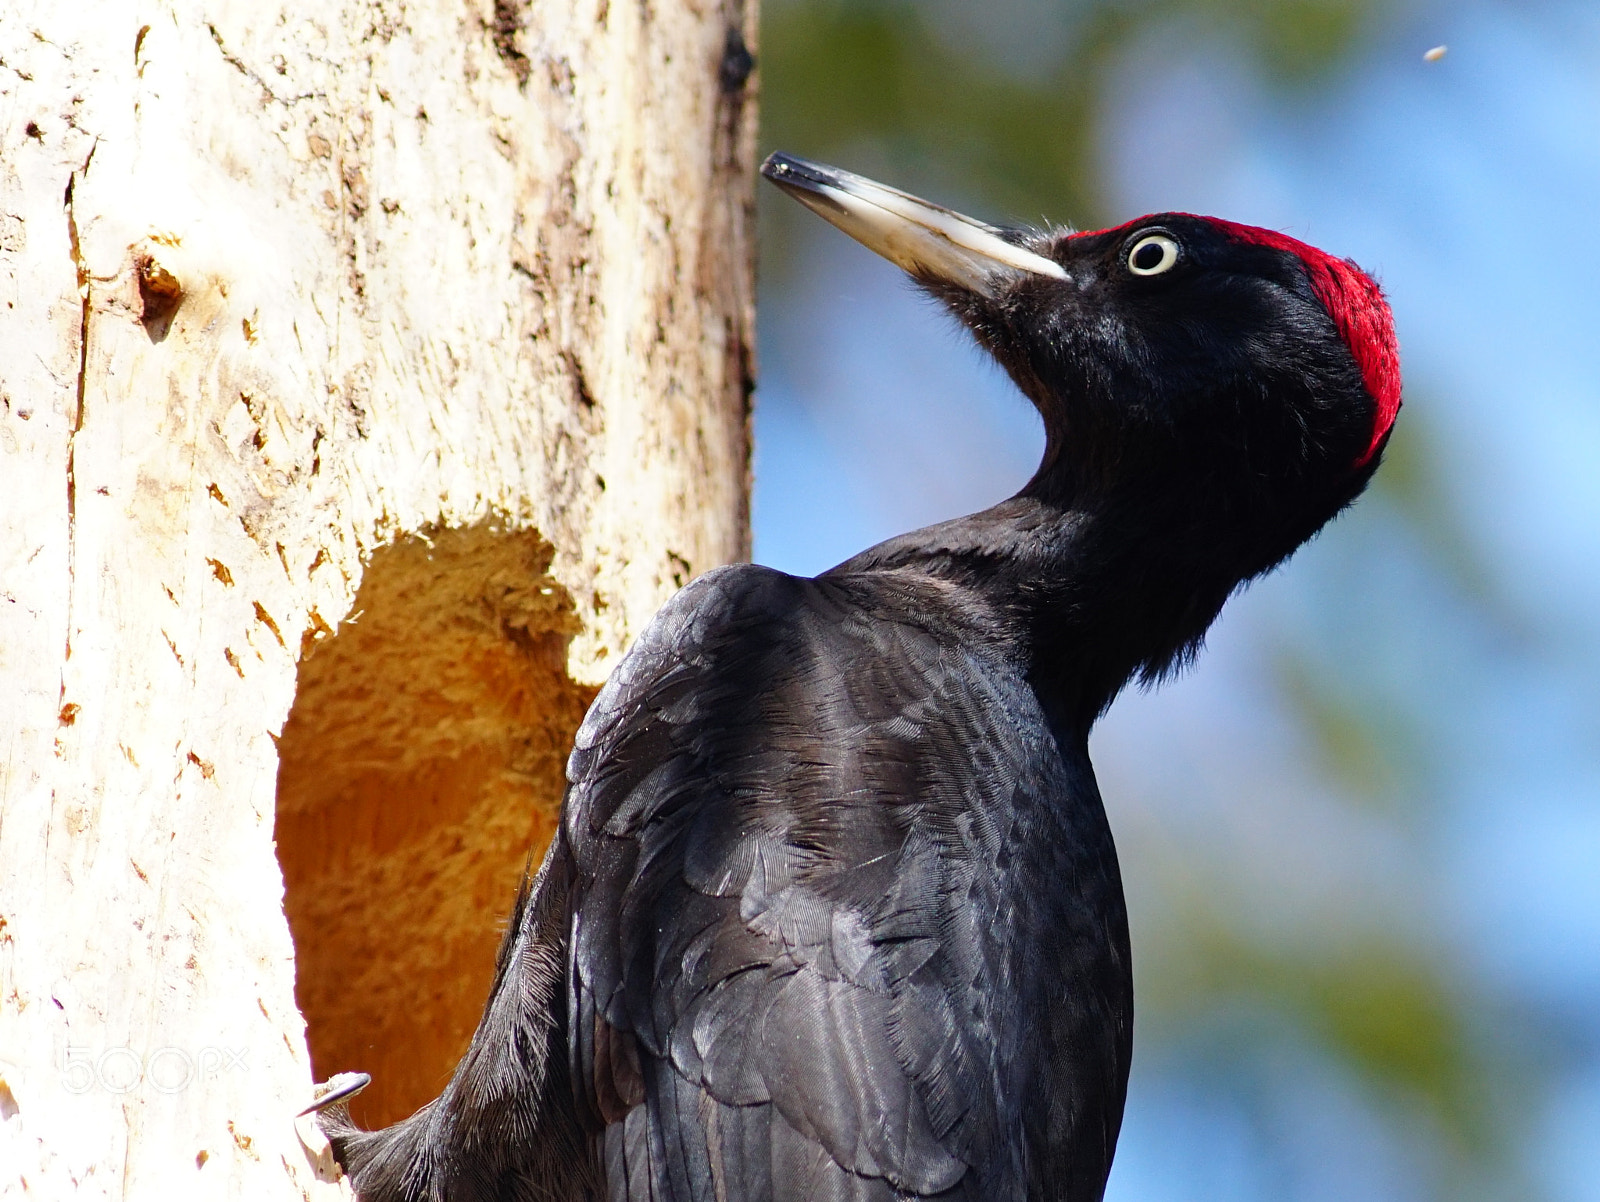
x: 834, y: 911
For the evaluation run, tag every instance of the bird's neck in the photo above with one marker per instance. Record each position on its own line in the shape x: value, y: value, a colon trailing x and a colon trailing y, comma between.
x: 1090, y: 594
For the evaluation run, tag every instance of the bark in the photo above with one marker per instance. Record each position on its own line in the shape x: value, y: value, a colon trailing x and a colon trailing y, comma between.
x: 369, y: 373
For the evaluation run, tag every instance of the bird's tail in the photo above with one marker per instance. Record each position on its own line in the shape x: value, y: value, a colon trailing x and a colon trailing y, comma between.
x: 504, y: 1128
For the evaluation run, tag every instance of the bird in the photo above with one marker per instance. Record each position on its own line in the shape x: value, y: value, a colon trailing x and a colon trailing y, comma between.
x: 834, y: 909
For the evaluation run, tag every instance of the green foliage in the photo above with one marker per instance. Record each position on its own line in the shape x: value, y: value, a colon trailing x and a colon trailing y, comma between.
x: 1296, y: 42
x: 1364, y: 744
x: 880, y: 85
x: 1370, y: 1000
x: 872, y: 80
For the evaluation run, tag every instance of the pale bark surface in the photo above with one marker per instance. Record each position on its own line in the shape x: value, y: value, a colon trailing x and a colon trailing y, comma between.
x: 444, y: 303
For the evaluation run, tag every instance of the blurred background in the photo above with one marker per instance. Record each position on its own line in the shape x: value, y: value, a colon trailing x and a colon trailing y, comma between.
x: 1361, y: 840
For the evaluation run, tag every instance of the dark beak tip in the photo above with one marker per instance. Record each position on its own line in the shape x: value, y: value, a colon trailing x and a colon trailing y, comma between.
x: 806, y: 181
x: 792, y: 172
x: 780, y: 164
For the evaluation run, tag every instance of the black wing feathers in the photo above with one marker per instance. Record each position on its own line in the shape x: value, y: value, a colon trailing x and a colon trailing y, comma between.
x: 784, y: 818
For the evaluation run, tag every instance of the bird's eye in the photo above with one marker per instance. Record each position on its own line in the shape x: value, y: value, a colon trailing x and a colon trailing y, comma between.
x: 1152, y: 255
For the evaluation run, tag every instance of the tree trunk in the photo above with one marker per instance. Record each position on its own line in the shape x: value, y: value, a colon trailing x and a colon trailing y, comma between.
x: 369, y: 373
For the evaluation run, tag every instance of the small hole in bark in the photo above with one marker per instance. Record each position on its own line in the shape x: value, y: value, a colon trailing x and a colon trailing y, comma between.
x: 160, y: 294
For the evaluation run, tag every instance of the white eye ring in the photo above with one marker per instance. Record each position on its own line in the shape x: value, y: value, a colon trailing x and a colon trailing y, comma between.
x: 1142, y: 262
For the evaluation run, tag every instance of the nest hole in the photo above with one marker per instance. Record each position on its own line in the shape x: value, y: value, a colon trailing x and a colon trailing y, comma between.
x: 421, y: 767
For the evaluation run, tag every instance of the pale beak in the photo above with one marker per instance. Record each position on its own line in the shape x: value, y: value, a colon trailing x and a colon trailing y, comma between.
x: 930, y: 242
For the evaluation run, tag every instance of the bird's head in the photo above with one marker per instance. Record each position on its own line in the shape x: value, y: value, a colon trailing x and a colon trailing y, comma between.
x: 1177, y: 361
